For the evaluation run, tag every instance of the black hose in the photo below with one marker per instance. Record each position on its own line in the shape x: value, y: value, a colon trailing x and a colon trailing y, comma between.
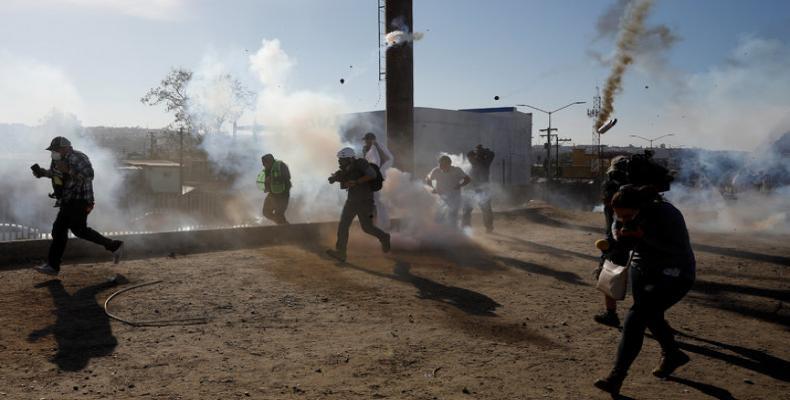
x: 165, y: 322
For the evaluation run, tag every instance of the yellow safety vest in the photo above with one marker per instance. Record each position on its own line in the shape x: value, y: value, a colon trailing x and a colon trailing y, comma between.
x: 276, y: 186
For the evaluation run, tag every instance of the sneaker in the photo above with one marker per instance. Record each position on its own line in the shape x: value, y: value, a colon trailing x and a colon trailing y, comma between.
x: 608, y: 318
x: 669, y: 363
x: 385, y: 244
x: 118, y: 279
x: 337, y: 254
x: 610, y: 384
x: 46, y: 269
x: 117, y: 251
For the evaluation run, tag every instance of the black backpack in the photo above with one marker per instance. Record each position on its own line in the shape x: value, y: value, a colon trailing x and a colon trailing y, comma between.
x: 640, y: 170
x: 377, y: 183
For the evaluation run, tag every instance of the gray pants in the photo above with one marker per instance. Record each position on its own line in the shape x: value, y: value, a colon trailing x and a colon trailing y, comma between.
x: 481, y: 198
x: 365, y: 210
x: 274, y: 207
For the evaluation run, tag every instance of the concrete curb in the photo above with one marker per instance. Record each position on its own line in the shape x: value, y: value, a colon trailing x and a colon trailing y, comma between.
x: 22, y: 253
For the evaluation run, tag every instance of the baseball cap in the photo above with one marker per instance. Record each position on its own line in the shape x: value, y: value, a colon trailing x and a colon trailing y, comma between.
x: 346, y: 152
x: 58, y: 142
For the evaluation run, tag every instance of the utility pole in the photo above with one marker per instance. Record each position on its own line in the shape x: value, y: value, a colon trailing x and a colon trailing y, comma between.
x: 549, y: 130
x: 547, y: 145
x: 151, y: 146
x: 181, y: 160
x: 653, y: 139
x: 557, y: 142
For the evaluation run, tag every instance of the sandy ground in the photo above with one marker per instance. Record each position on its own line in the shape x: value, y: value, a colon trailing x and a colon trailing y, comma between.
x: 503, y: 316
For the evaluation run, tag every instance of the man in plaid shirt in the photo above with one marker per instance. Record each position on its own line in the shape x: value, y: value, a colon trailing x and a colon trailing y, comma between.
x: 75, y: 202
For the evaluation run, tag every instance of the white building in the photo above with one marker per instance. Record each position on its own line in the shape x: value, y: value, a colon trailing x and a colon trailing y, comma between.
x: 506, y: 131
x: 155, y: 176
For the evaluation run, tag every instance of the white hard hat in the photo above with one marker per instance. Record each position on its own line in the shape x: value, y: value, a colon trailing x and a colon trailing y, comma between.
x: 346, y: 152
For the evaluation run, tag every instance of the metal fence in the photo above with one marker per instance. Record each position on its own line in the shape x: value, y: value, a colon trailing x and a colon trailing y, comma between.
x: 197, y: 205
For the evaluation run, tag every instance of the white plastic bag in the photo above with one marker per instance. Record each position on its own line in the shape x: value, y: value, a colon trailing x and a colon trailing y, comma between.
x: 613, y: 280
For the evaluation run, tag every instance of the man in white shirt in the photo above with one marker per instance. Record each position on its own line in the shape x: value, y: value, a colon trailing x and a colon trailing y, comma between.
x: 449, y: 181
x: 377, y: 153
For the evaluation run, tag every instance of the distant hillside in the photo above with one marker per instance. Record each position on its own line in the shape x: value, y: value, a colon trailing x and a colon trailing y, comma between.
x: 123, y: 141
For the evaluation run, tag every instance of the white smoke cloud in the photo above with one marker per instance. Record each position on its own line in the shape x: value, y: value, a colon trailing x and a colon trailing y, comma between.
x: 738, y: 105
x: 395, y: 38
x: 271, y: 64
x: 300, y: 127
x: 25, y: 200
x: 30, y: 89
x: 401, y: 34
x: 216, y: 97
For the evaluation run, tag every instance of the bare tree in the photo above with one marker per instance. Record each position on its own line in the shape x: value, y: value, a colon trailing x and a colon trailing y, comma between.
x: 202, y: 105
x: 217, y: 100
x: 172, y: 91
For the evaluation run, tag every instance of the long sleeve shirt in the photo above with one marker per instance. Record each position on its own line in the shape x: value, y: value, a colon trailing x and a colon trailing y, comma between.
x: 380, y: 155
x: 78, y: 182
x: 665, y: 247
x: 481, y: 166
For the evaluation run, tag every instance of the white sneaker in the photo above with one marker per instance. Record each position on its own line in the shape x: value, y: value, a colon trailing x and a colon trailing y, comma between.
x: 45, y: 269
x: 117, y: 254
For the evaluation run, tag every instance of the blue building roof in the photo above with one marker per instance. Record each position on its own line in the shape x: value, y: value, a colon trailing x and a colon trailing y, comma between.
x: 491, y: 110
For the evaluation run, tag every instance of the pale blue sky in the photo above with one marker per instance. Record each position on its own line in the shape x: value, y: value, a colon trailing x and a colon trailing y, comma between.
x: 527, y: 51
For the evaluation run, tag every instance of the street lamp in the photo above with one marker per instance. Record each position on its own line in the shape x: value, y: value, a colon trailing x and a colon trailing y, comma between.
x: 653, y: 139
x: 549, y: 130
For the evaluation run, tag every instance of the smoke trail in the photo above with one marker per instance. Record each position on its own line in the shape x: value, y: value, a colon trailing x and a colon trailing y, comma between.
x: 632, y: 27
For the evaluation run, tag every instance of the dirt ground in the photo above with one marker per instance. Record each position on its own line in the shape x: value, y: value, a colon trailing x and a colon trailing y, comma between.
x: 502, y: 316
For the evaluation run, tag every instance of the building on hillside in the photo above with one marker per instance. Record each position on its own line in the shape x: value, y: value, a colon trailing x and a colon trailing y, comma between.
x: 153, y: 176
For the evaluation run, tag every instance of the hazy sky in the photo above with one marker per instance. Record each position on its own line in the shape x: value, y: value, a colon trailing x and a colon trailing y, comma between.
x: 725, y: 83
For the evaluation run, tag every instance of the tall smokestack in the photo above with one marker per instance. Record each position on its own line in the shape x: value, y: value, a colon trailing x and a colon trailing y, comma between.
x: 400, y: 87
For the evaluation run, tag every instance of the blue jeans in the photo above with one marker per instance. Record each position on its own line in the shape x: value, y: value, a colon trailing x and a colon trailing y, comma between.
x: 654, y: 293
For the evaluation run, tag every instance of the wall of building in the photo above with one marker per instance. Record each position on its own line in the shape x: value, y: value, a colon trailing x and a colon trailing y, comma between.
x: 163, y: 179
x: 508, y: 134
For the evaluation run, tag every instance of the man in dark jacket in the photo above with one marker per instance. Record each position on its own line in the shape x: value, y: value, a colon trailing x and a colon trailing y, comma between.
x: 75, y: 203
x: 355, y: 175
x: 275, y: 179
x: 481, y: 159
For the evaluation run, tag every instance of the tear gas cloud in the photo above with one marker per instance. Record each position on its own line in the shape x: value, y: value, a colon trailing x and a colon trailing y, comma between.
x: 25, y: 200
x: 300, y: 128
x: 736, y: 192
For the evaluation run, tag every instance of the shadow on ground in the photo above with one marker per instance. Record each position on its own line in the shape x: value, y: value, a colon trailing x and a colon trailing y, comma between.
x: 537, y: 216
x: 468, y: 301
x: 82, y: 329
x: 705, y: 388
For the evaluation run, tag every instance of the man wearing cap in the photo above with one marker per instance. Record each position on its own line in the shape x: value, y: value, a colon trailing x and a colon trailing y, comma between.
x: 75, y: 203
x: 377, y: 153
x: 449, y: 181
x: 275, y: 179
x: 355, y: 175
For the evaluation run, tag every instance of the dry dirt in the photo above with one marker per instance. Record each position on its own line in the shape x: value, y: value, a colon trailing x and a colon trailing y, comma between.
x: 504, y: 316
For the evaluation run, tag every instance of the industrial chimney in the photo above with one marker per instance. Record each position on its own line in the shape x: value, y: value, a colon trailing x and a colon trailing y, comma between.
x: 400, y: 87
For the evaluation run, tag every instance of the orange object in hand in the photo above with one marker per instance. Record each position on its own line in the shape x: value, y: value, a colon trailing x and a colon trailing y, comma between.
x: 602, y: 244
